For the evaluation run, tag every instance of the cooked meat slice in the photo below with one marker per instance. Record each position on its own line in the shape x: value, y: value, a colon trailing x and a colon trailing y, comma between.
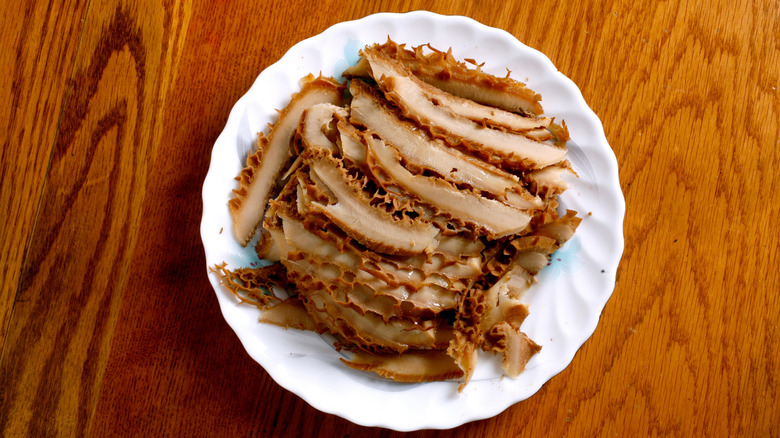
x: 371, y: 226
x: 369, y: 331
x: 533, y: 252
x: 253, y: 285
x: 307, y: 271
x: 442, y: 70
x: 516, y: 347
x: 549, y: 181
x: 502, y: 300
x: 351, y: 286
x: 419, y: 149
x: 350, y: 143
x: 439, y: 268
x: 560, y: 229
x: 317, y: 122
x: 512, y: 149
x: 465, y: 353
x: 257, y: 179
x: 412, y: 366
x: 351, y: 211
x: 414, y: 293
x: 495, y: 218
x: 484, y: 94
x: 439, y: 264
x: 382, y: 66
x: 290, y: 313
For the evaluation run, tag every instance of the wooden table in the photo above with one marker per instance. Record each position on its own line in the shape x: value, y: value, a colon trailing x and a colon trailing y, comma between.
x: 109, y: 326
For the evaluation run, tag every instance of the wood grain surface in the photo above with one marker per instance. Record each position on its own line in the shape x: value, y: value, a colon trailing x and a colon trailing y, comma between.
x: 108, y: 324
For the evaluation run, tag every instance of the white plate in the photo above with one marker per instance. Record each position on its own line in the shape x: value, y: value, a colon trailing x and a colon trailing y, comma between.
x: 566, y: 303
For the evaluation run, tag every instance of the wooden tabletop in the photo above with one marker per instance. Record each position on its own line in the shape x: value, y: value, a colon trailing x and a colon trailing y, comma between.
x: 110, y: 109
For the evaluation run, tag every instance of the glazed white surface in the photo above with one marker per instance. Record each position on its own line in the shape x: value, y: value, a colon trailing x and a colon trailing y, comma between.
x: 564, y: 305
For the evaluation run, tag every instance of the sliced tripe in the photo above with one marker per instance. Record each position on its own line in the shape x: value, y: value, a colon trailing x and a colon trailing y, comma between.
x: 503, y: 311
x: 533, y: 252
x: 496, y: 218
x: 290, y: 313
x: 316, y: 122
x: 369, y: 225
x: 515, y: 346
x: 491, y: 116
x: 503, y: 315
x: 484, y: 94
x: 383, y: 66
x: 458, y: 246
x: 352, y: 212
x: 349, y: 282
x: 491, y: 319
x: 529, y: 254
x: 423, y: 104
x: 369, y: 330
x: 560, y: 229
x: 308, y: 271
x: 365, y: 293
x: 350, y: 144
x: 413, y: 366
x: 415, y: 146
x: 464, y: 353
x: 445, y: 267
x: 502, y: 300
x: 467, y: 337
x: 442, y: 70
x: 455, y: 257
x: 549, y: 181
x: 428, y: 294
x: 257, y: 179
x: 541, y: 134
x: 276, y: 248
x: 435, y: 267
x: 516, y: 149
x: 252, y: 285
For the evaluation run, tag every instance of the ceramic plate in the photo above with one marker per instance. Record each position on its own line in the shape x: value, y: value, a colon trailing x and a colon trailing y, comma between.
x: 566, y: 302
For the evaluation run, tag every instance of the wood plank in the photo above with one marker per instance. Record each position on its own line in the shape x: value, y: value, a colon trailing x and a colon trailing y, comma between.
x: 90, y: 218
x: 182, y: 356
x: 686, y: 95
x: 203, y: 382
x: 696, y: 121
x: 116, y: 330
x: 38, y: 41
